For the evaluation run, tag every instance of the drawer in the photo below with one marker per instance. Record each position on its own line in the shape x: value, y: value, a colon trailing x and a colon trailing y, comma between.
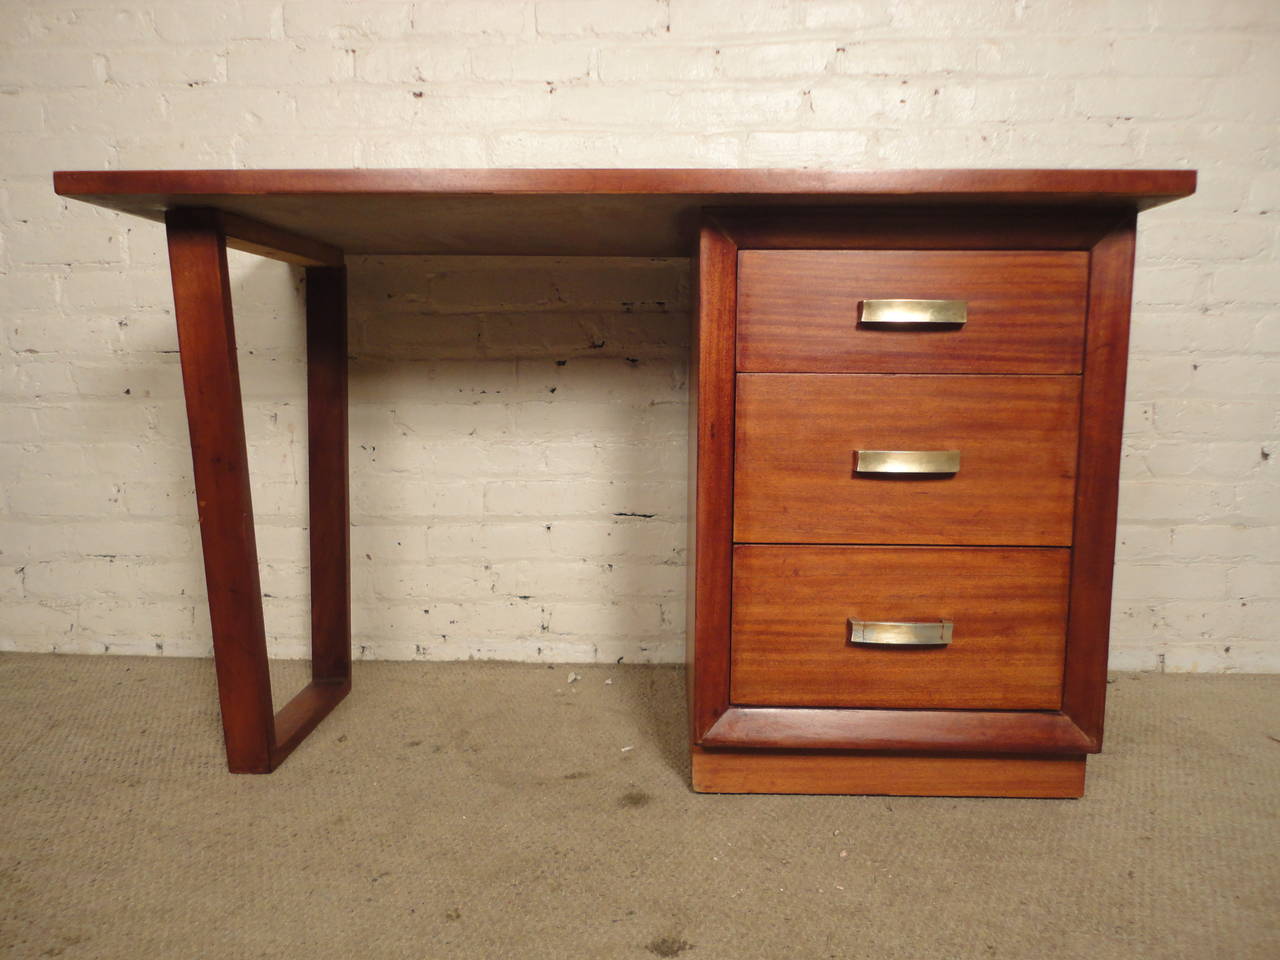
x: 798, y: 435
x: 792, y: 606
x: 798, y: 311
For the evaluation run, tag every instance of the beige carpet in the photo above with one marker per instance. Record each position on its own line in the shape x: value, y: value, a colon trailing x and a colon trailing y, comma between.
x: 493, y: 811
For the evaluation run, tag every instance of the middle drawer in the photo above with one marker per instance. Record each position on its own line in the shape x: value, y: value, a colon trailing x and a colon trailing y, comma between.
x: 994, y: 459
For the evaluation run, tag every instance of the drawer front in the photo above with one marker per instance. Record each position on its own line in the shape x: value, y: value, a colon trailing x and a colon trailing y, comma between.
x: 798, y: 437
x: 798, y: 311
x: 792, y: 606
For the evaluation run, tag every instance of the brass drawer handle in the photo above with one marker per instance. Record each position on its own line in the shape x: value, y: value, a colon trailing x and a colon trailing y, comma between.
x: 931, y: 633
x: 905, y: 314
x: 907, y: 461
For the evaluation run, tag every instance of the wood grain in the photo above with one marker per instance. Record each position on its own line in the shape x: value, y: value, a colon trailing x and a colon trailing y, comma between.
x: 946, y: 226
x: 328, y: 472
x: 211, y: 381
x: 303, y: 713
x: 797, y: 433
x: 1008, y: 607
x: 574, y: 212
x: 711, y: 480
x: 942, y: 731
x: 1101, y: 428
x: 250, y: 236
x: 798, y: 311
x: 719, y: 771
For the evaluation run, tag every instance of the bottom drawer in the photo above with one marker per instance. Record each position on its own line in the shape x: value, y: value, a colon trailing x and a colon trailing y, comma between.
x: 792, y: 607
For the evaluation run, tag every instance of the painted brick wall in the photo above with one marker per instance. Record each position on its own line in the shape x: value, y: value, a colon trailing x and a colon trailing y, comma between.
x: 518, y: 426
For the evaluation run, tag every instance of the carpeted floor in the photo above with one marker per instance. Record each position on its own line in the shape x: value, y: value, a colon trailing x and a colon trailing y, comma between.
x: 494, y: 811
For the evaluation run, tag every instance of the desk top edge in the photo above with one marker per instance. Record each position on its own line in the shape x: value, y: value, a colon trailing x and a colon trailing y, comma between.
x: 644, y: 213
x: 1140, y: 188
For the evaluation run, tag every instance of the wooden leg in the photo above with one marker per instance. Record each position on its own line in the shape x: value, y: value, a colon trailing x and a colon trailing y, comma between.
x: 328, y: 472
x: 329, y: 509
x: 211, y: 379
x: 256, y: 741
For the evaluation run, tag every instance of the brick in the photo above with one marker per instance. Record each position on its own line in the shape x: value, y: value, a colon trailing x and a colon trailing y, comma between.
x: 20, y: 113
x: 1142, y: 542
x: 545, y: 579
x: 259, y: 111
x: 1171, y: 284
x: 433, y: 582
x: 413, y: 63
x: 1218, y: 460
x: 632, y: 62
x: 497, y: 618
x: 87, y: 497
x: 973, y: 145
x: 1236, y: 377
x: 841, y: 15
x: 519, y: 498
x: 113, y: 290
x: 1023, y: 101
x: 771, y: 61
x: 1249, y: 98
x: 806, y: 148
x: 1229, y: 542
x: 164, y: 66
x: 1216, y: 418
x: 1264, y: 192
x: 120, y: 420
x: 263, y: 62
x: 103, y: 111
x: 700, y: 18
x: 395, y: 150
x: 349, y: 21
x: 1253, y: 283
x: 47, y: 621
x: 1257, y: 499
x: 634, y: 537
x: 620, y: 149
x: 1265, y: 338
x: 122, y: 537
x: 409, y: 499
x: 471, y: 17
x: 1253, y: 579
x: 1176, y: 54
x: 29, y: 157
x: 545, y: 62
x: 84, y: 26
x: 168, y: 498
x: 635, y: 618
x: 924, y: 18
x: 214, y: 152
x: 1174, y: 501
x: 199, y: 23
x: 1030, y: 54
x: 867, y: 103
x: 106, y: 577
x: 1140, y: 98
x: 600, y: 17
x: 1155, y: 331
x: 1255, y: 656
x: 133, y: 618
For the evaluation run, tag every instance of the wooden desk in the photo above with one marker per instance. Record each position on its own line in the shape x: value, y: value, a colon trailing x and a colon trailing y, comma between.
x: 315, y: 217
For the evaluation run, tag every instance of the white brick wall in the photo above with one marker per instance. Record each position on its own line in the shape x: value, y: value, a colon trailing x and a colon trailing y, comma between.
x: 515, y: 423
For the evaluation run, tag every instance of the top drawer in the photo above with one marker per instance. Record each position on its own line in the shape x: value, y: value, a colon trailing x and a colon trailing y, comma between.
x: 798, y: 311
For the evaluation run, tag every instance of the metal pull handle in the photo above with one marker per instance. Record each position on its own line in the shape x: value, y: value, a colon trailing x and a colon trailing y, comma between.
x: 931, y: 633
x: 905, y: 314
x: 907, y: 461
